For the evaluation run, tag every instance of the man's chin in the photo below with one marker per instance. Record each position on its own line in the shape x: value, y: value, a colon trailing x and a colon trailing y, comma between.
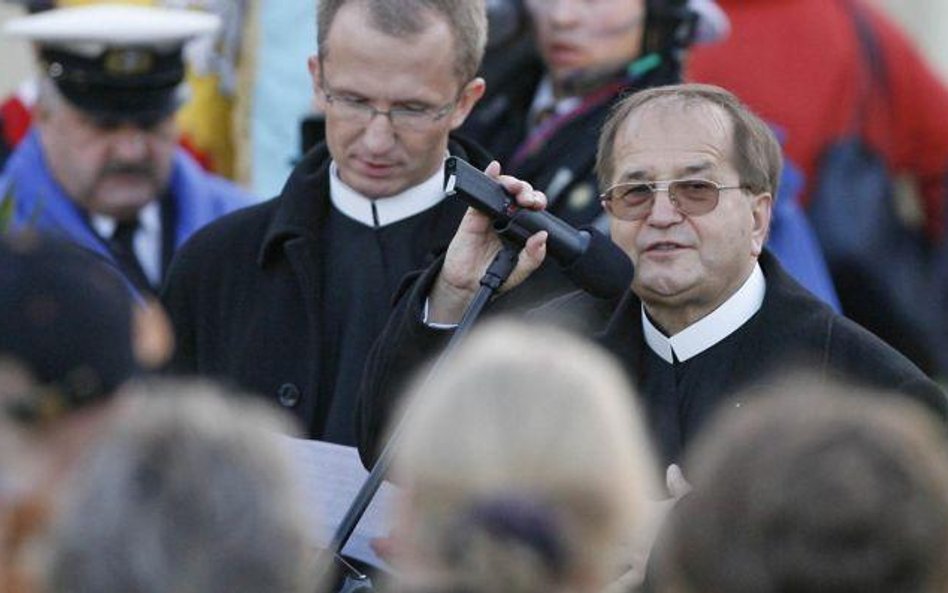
x: 659, y: 288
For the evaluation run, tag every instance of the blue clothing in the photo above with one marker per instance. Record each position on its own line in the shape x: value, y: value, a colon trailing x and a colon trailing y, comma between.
x: 794, y: 242
x: 41, y: 204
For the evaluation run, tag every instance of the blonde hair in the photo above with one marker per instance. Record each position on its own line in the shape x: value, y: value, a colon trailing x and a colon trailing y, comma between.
x: 534, y: 432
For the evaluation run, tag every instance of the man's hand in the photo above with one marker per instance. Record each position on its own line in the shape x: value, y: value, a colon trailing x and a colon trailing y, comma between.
x: 637, y: 554
x: 474, y: 247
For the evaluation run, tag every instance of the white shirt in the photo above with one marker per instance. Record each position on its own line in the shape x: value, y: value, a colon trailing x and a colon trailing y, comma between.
x: 713, y: 327
x: 147, y: 239
x: 384, y: 211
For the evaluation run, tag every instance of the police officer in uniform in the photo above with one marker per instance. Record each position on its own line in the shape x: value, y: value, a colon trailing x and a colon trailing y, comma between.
x: 101, y: 165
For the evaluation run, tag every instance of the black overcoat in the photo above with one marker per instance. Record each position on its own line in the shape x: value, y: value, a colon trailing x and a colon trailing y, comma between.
x: 244, y: 293
x: 792, y: 330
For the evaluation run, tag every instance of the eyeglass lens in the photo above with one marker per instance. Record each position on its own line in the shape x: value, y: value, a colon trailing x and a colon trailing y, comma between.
x: 692, y: 197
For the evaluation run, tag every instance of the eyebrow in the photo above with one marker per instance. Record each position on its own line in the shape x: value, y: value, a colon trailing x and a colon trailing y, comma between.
x: 698, y: 168
x: 343, y: 90
x: 642, y: 174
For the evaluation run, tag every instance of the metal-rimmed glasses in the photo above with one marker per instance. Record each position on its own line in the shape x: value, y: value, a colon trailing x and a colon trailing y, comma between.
x: 359, y: 110
x: 633, y: 200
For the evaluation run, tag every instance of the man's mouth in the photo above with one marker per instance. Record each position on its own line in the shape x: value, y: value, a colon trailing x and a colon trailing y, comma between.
x: 663, y: 247
x: 375, y: 168
x: 127, y: 171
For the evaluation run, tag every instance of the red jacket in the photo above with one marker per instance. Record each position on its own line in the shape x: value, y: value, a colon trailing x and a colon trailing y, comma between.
x: 798, y: 63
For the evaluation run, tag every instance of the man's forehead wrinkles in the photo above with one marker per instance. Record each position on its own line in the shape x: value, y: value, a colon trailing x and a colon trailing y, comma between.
x: 636, y: 172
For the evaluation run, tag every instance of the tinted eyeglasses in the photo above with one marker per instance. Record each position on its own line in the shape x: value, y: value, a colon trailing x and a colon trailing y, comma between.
x: 692, y: 197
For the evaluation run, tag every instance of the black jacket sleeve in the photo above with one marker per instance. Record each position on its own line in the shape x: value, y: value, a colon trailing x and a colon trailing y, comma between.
x: 402, y: 349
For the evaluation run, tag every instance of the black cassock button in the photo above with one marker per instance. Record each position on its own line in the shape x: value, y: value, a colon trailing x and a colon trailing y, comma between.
x: 288, y: 395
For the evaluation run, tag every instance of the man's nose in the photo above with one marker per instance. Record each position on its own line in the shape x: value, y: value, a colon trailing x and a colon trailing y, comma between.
x: 663, y: 212
x: 379, y: 135
x: 129, y: 143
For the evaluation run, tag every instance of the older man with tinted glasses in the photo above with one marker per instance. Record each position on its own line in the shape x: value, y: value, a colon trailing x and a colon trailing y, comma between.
x: 710, y: 313
x: 286, y: 298
x: 545, y: 105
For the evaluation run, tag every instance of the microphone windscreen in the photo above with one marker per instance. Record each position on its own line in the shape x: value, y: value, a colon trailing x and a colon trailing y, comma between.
x: 603, y: 270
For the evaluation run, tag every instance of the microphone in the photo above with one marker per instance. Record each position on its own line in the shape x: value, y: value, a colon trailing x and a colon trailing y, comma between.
x: 589, y: 258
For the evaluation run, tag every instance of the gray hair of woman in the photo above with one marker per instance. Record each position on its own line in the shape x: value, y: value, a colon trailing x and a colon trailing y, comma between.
x: 189, y: 489
x: 524, y: 464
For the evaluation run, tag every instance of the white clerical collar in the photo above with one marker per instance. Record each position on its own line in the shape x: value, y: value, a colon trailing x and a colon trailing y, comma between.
x: 713, y: 327
x: 147, y: 239
x: 544, y: 100
x: 384, y: 211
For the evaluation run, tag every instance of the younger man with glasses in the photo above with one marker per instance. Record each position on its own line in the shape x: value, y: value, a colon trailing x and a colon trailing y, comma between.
x: 286, y: 298
x: 710, y: 312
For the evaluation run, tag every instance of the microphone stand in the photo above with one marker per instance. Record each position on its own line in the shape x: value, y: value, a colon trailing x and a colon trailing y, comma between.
x: 496, y: 274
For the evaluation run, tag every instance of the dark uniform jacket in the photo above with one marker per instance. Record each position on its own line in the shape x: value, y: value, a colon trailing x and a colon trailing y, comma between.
x: 791, y: 330
x: 244, y: 296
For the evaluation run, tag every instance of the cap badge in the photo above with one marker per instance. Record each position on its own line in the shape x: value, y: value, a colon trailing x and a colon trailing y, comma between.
x: 128, y: 62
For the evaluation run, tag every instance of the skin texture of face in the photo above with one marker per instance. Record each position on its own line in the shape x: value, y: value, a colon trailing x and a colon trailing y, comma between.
x: 112, y: 171
x: 375, y: 159
x: 686, y: 266
x: 580, y: 38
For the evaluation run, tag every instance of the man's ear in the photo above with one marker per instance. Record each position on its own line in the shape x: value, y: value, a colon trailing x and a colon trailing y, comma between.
x: 762, y: 206
x: 315, y: 73
x: 470, y: 95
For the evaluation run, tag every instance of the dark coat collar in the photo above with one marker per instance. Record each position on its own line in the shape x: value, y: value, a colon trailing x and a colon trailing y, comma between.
x: 787, y: 308
x: 303, y: 204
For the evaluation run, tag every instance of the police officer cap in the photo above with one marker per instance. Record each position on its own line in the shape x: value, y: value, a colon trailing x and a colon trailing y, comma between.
x: 114, y: 60
x: 66, y: 318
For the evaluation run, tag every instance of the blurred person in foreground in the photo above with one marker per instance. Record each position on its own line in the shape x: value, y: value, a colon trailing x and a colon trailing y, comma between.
x: 710, y: 311
x: 71, y: 338
x: 285, y: 298
x: 519, y: 474
x: 101, y: 165
x: 71, y: 334
x: 188, y: 489
x: 817, y: 488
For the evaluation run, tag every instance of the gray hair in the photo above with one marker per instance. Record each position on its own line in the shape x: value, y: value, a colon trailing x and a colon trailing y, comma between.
x: 467, y: 20
x: 755, y: 150
x: 186, y: 492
